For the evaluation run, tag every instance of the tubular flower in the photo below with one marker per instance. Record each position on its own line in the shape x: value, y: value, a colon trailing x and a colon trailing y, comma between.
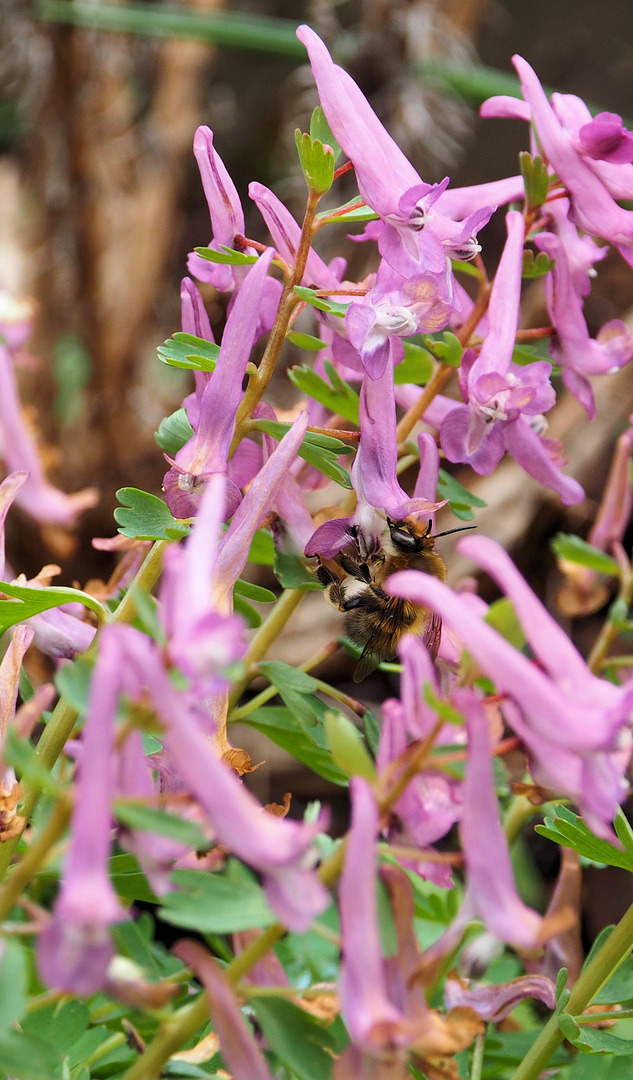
x: 397, y: 307
x: 432, y: 801
x: 75, y: 948
x: 225, y: 209
x: 374, y: 474
x: 239, y: 1049
x: 579, y: 354
x: 593, y: 208
x: 505, y: 402
x: 207, y: 451
x: 18, y: 448
x: 415, y: 237
x: 575, y: 726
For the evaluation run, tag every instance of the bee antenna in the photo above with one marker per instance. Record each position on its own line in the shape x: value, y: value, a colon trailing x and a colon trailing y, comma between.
x: 461, y: 528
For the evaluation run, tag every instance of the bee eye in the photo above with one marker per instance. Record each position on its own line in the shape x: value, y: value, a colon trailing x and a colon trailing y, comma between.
x: 405, y: 540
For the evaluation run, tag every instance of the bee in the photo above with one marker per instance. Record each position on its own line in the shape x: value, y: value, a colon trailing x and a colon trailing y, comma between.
x: 374, y: 620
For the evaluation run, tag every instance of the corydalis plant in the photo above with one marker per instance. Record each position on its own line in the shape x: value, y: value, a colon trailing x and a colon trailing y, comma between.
x: 147, y: 803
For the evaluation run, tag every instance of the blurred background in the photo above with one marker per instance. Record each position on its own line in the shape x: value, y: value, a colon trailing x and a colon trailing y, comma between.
x: 100, y: 201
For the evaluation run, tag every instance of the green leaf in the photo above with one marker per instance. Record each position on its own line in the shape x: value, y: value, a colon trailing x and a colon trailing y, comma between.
x: 226, y: 256
x: 188, y: 351
x: 25, y: 1057
x: 347, y: 745
x: 254, y: 592
x: 594, y: 1040
x: 319, y: 302
x: 529, y: 354
x: 417, y: 366
x: 148, y: 819
x: 448, y: 712
x: 573, y: 549
x: 448, y: 348
x: 13, y: 982
x: 146, y: 517
x: 460, y: 500
x: 569, y: 830
x: 22, y: 755
x: 321, y: 451
x: 307, y: 745
x: 624, y: 832
x: 73, y: 681
x: 129, y: 881
x: 321, y: 130
x: 297, y: 1038
x: 337, y: 395
x: 262, y: 549
x: 503, y: 618
x: 386, y: 922
x: 306, y: 341
x: 561, y: 983
x: 317, y: 162
x: 61, y: 1026
x: 215, y: 903
x: 354, y: 216
x: 466, y: 268
x: 30, y: 602
x: 371, y: 727
x: 174, y: 432
x: 536, y: 267
x: 535, y: 179
x: 251, y: 616
x: 292, y: 572
x: 296, y: 689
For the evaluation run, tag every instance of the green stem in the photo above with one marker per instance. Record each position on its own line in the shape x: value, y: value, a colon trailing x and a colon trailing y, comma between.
x: 610, y: 631
x: 144, y: 581
x: 30, y: 864
x: 477, y: 1060
x: 615, y: 949
x: 268, y: 632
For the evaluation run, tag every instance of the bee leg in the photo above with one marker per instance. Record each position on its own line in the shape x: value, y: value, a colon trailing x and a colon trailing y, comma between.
x: 358, y: 570
x: 334, y: 590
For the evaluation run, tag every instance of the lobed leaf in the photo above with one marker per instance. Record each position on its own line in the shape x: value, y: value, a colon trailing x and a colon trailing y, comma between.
x: 146, y: 517
x: 187, y: 351
x: 573, y: 549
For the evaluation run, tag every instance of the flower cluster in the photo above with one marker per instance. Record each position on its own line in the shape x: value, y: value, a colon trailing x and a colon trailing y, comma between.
x: 150, y: 792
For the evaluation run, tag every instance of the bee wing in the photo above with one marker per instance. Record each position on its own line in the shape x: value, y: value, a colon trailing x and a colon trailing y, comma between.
x: 368, y: 662
x: 432, y: 633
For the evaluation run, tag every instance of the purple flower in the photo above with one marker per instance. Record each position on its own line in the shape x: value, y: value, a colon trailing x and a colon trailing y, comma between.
x: 8, y: 491
x: 75, y: 949
x: 432, y: 801
x: 239, y: 1049
x: 575, y: 726
x: 200, y: 641
x: 225, y: 209
x: 207, y: 451
x: 372, y: 1020
x: 505, y: 402
x: 494, y: 1003
x: 491, y: 891
x: 578, y: 354
x: 258, y: 500
x: 18, y: 448
x: 397, y: 307
x: 286, y: 233
x: 592, y: 206
x: 281, y: 850
x: 415, y: 236
x: 374, y: 474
